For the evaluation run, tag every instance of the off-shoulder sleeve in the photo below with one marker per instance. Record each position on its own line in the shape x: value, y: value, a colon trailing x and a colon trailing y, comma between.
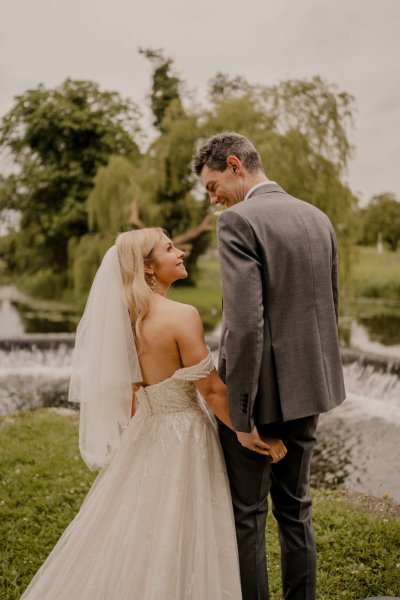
x: 198, y: 371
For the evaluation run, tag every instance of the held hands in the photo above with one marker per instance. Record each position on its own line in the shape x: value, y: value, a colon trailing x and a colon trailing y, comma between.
x: 272, y: 447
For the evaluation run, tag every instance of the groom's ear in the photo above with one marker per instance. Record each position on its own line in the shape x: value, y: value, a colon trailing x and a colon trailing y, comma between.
x: 234, y: 164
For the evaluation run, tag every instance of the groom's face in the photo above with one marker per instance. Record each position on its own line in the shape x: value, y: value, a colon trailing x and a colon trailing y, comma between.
x: 223, y: 187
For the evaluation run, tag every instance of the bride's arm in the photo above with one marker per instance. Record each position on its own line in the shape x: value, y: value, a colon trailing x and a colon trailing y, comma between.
x: 192, y: 348
x: 214, y: 392
x: 189, y: 336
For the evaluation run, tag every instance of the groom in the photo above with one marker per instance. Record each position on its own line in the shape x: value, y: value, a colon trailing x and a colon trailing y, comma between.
x: 279, y: 354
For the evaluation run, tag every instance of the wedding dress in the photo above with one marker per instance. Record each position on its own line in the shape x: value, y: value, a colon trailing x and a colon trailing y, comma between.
x: 157, y: 523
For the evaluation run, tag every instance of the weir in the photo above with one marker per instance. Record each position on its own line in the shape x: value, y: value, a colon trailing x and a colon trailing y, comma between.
x: 357, y: 442
x: 34, y: 371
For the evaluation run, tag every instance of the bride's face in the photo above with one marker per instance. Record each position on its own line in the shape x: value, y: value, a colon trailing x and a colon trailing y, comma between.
x: 167, y: 262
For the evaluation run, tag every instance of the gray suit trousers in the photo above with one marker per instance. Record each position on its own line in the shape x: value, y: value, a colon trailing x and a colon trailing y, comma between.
x: 252, y: 477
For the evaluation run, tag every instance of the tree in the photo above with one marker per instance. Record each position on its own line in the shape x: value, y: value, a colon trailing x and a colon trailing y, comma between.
x: 305, y: 150
x: 73, y: 198
x: 114, y: 191
x: 109, y: 208
x: 164, y: 173
x: 58, y: 139
x: 382, y: 216
x: 314, y: 109
x: 301, y: 129
x: 165, y: 88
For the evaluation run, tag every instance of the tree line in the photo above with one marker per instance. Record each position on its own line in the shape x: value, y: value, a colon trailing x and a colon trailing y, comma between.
x: 85, y: 168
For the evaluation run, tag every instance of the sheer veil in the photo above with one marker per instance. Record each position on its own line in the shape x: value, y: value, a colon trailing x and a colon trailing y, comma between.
x: 104, y: 366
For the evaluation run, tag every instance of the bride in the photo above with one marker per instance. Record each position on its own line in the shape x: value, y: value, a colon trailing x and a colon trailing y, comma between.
x: 157, y: 523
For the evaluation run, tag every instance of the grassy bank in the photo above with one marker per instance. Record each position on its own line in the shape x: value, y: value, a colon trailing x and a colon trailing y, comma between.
x: 376, y: 275
x: 43, y: 482
x: 375, y: 288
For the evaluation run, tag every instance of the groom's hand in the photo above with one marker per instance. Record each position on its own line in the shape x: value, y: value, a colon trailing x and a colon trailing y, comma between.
x: 272, y: 447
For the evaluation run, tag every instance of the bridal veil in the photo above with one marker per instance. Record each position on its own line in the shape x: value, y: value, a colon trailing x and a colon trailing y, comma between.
x: 104, y: 366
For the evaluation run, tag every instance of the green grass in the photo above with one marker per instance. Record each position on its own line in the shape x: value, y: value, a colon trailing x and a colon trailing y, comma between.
x: 43, y: 482
x: 376, y: 275
x: 358, y: 554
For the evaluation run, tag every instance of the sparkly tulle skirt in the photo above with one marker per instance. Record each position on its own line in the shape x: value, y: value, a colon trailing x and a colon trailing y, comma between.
x: 157, y: 523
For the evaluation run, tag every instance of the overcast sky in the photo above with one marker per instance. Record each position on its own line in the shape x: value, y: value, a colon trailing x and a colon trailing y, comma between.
x: 353, y: 43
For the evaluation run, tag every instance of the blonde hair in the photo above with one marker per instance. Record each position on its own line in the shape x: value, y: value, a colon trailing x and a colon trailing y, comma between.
x: 133, y: 248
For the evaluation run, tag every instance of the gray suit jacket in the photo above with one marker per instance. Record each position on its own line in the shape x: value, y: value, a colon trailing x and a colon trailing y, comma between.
x: 279, y: 353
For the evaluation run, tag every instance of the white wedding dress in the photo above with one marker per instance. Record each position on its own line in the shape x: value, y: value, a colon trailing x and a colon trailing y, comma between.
x: 157, y: 523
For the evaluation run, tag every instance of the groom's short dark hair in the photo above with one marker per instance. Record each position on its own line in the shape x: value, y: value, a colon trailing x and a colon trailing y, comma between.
x: 216, y: 150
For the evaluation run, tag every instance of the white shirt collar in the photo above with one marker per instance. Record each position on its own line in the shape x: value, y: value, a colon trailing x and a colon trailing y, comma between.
x: 267, y: 182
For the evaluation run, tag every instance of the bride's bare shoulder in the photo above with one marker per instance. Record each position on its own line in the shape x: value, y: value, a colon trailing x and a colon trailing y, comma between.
x: 187, y: 312
x: 187, y: 330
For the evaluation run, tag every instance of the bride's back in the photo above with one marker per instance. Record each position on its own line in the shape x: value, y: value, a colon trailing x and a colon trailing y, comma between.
x: 161, y: 357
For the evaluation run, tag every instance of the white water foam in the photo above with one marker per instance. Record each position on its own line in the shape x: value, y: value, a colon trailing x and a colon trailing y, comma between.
x: 26, y: 376
x: 372, y: 393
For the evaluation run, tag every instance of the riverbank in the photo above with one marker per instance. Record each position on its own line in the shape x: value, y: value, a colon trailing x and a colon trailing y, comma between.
x: 369, y: 321
x: 43, y: 482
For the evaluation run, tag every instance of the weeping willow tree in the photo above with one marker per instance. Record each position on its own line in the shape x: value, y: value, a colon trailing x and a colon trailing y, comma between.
x: 108, y: 208
x: 301, y: 129
x: 152, y: 190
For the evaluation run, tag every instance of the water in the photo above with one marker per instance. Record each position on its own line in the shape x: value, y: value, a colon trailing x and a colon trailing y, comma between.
x: 357, y: 442
x: 364, y: 336
x: 20, y: 314
x: 31, y: 378
x: 10, y: 320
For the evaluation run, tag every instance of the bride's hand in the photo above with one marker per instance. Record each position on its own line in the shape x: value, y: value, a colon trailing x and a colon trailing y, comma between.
x: 272, y: 447
x: 277, y: 449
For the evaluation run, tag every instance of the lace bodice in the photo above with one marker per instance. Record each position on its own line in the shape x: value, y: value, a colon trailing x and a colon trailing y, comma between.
x: 178, y: 392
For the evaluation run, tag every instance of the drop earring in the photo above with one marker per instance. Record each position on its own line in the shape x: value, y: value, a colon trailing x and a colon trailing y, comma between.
x: 151, y: 281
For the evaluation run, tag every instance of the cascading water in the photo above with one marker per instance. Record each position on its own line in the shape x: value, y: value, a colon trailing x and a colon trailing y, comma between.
x: 357, y: 442
x: 30, y: 378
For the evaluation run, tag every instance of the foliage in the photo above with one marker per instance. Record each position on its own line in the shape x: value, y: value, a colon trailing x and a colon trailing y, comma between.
x: 319, y: 111
x: 165, y: 89
x: 314, y: 108
x: 382, y: 217
x: 164, y: 174
x: 113, y: 191
x: 81, y: 177
x: 301, y: 129
x: 86, y: 253
x: 58, y: 139
x: 44, y: 482
x: 108, y: 206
